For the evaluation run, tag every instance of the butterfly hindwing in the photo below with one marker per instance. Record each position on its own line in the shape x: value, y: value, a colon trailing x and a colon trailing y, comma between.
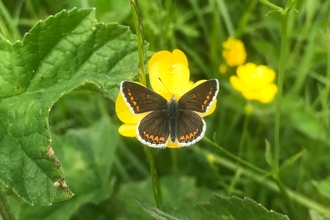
x: 190, y: 127
x: 153, y: 129
x: 200, y: 97
x: 141, y: 99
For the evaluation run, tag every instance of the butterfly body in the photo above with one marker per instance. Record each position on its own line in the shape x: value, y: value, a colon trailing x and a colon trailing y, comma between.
x: 173, y: 121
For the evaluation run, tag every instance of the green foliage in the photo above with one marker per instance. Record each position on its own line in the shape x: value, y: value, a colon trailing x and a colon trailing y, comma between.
x: 59, y: 146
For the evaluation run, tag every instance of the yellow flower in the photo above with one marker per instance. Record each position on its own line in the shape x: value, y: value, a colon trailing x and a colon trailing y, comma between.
x: 248, y: 109
x: 255, y: 82
x: 234, y: 52
x: 169, y: 77
x: 223, y: 68
x: 210, y: 158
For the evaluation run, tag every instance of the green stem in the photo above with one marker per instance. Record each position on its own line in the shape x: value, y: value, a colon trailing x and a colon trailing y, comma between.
x: 234, y: 157
x: 155, y: 181
x: 4, y: 210
x: 281, y: 71
x: 140, y: 41
x: 273, y: 6
x: 244, y: 135
x: 174, y: 158
x: 284, y: 192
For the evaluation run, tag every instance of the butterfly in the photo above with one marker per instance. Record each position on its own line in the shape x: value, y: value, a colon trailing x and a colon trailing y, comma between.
x: 170, y: 121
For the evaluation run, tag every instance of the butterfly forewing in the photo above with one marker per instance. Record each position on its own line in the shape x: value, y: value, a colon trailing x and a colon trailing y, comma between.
x: 191, y: 128
x: 153, y: 130
x: 200, y: 97
x: 141, y: 99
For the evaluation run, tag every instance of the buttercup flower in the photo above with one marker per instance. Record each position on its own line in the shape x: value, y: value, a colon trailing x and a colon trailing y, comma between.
x: 169, y: 77
x: 255, y: 82
x: 234, y: 52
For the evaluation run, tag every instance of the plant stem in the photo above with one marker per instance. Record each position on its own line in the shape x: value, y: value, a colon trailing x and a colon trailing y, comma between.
x: 281, y: 71
x: 299, y: 198
x: 4, y: 210
x: 271, y: 5
x: 234, y: 157
x: 285, y: 194
x: 140, y: 41
x: 155, y: 182
x: 282, y: 65
x: 244, y: 134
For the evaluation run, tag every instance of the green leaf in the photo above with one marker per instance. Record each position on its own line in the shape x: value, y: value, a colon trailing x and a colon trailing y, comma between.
x: 87, y: 156
x: 58, y: 55
x: 302, y: 118
x: 288, y: 162
x: 219, y: 207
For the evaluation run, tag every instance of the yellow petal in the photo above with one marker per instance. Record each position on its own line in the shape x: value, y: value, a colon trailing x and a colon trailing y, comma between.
x: 234, y: 52
x: 180, y: 57
x: 268, y: 75
x: 124, y: 112
x: 236, y: 83
x: 162, y: 55
x: 128, y: 130
x: 167, y: 79
x: 268, y: 94
x: 210, y: 109
x: 169, y: 144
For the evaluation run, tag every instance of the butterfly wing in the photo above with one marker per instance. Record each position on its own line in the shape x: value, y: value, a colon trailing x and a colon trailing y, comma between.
x: 153, y: 129
x: 200, y: 97
x: 141, y: 99
x: 191, y: 128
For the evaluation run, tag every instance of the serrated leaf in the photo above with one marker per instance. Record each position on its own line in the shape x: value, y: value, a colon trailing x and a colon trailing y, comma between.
x: 87, y: 156
x: 57, y: 55
x: 221, y: 207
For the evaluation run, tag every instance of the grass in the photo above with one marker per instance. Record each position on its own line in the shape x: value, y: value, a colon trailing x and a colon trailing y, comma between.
x: 296, y: 125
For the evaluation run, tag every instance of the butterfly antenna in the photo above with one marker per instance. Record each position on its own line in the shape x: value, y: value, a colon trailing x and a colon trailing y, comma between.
x: 164, y: 85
